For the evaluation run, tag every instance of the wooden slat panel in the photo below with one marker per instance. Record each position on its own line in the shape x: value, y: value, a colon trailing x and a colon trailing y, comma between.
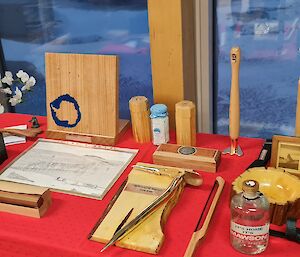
x: 171, y: 24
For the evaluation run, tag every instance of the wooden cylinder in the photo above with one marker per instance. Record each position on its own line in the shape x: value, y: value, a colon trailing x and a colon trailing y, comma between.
x: 185, y: 115
x: 234, y: 109
x: 140, y: 120
x: 297, y: 125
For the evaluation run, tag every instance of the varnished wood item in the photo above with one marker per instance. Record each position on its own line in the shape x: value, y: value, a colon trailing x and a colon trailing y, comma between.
x: 200, y: 233
x: 171, y: 29
x: 234, y: 108
x: 280, y: 188
x: 285, y: 154
x: 23, y: 199
x: 140, y: 119
x: 31, y: 132
x: 185, y: 116
x: 141, y: 189
x: 82, y: 97
x: 297, y: 125
x: 3, y: 153
x: 187, y: 157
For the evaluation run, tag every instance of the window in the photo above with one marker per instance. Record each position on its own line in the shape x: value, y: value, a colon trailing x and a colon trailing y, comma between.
x: 268, y: 34
x: 29, y: 28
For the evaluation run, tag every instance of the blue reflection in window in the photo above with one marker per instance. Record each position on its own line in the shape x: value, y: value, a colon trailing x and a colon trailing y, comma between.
x: 30, y: 28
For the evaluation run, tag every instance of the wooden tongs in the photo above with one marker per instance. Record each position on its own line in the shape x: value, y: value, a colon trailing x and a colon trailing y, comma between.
x: 199, y: 233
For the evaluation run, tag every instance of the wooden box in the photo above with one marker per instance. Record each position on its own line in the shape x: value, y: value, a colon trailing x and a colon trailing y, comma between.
x: 195, y: 158
x: 24, y: 199
x: 82, y: 98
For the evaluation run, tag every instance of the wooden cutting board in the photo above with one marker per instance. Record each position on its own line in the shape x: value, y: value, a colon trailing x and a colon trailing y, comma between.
x: 141, y: 189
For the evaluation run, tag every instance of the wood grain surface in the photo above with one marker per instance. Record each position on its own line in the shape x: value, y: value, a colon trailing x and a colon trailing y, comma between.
x: 93, y: 81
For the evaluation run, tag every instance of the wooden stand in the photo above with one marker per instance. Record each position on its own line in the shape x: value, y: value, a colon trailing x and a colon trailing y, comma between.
x: 82, y: 98
x: 187, y: 157
x: 23, y: 199
x: 185, y: 117
x: 140, y: 120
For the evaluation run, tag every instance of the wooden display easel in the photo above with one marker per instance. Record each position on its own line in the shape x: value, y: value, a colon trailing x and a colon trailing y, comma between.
x: 90, y: 83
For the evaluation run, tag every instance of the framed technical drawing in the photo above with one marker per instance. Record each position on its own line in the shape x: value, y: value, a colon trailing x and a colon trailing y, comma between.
x: 75, y: 168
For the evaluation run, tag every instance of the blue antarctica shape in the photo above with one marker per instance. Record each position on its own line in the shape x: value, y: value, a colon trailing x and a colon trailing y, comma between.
x: 56, y: 104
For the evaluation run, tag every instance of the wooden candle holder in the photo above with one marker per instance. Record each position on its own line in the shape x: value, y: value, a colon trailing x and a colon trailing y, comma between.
x: 24, y: 199
x: 195, y: 158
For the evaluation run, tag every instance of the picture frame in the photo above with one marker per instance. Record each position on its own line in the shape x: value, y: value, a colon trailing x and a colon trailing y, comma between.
x: 70, y: 167
x: 286, y: 153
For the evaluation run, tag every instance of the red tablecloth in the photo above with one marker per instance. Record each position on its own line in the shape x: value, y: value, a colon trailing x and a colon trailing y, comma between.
x: 63, y: 231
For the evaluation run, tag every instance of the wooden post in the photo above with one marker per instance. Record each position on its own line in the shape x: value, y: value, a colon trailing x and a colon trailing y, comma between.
x: 185, y: 115
x: 140, y: 119
x: 171, y: 24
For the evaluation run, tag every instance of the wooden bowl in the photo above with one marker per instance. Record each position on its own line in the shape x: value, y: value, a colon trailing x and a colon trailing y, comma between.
x: 281, y: 189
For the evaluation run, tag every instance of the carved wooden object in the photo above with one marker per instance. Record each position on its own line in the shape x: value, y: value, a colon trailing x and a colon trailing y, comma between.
x: 187, y: 157
x: 141, y: 189
x: 280, y: 188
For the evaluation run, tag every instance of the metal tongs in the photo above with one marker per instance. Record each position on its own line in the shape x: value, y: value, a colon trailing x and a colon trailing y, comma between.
x: 120, y: 233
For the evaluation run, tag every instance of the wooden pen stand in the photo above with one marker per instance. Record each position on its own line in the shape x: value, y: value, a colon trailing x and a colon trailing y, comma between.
x: 24, y: 199
x: 195, y: 158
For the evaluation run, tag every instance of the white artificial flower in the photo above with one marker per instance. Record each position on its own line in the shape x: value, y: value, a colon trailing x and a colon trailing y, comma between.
x: 22, y: 75
x: 17, y: 98
x: 6, y: 90
x: 8, y: 78
x: 1, y: 108
x: 30, y: 83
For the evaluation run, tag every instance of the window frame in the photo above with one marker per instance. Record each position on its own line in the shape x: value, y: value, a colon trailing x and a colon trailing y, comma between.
x: 204, y: 38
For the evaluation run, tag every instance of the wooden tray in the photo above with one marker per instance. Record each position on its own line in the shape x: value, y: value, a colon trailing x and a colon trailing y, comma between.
x: 281, y: 189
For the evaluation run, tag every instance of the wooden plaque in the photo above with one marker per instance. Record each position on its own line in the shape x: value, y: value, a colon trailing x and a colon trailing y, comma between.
x: 141, y: 189
x: 195, y: 158
x: 82, y: 98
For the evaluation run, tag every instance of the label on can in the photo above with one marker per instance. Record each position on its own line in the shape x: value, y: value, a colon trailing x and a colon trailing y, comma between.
x: 256, y: 235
